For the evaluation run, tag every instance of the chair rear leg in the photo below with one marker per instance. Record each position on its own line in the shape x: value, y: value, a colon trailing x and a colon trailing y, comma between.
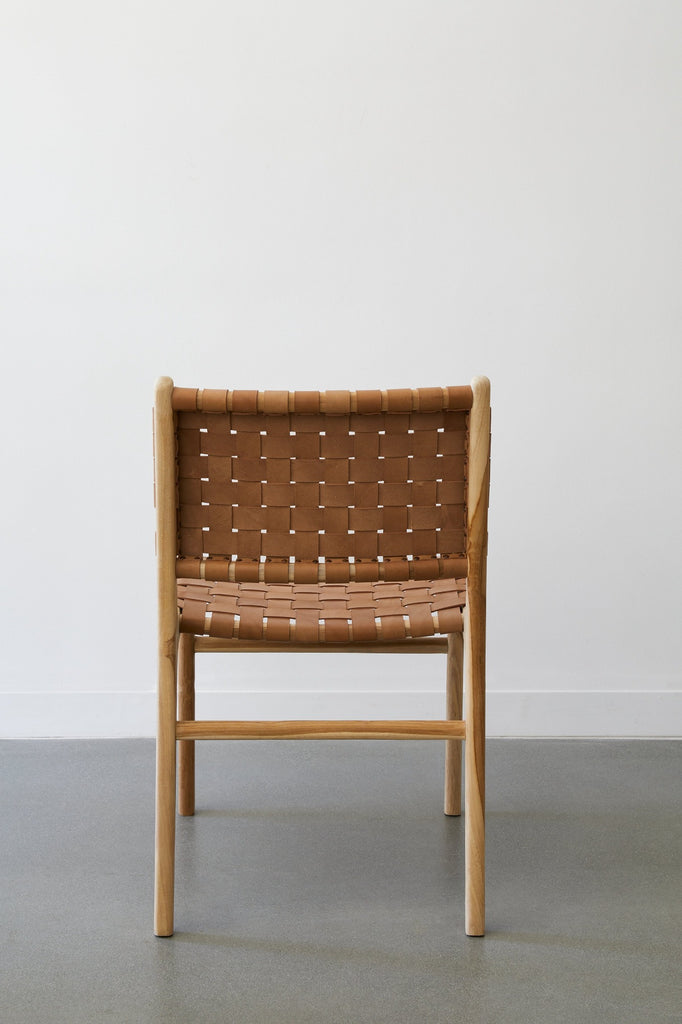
x: 164, y: 851
x: 453, y: 712
x: 186, y: 713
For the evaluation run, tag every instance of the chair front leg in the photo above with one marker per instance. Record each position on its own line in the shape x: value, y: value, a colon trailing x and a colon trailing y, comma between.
x: 186, y: 713
x: 474, y: 776
x: 453, y: 712
x: 164, y: 851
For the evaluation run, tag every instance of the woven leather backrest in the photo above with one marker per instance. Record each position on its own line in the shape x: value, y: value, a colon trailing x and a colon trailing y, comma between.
x: 311, y: 487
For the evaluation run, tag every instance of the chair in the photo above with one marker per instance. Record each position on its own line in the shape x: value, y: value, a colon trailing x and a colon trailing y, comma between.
x: 332, y: 521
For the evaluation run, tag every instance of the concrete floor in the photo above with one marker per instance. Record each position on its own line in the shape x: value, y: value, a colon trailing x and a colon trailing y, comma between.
x: 321, y: 882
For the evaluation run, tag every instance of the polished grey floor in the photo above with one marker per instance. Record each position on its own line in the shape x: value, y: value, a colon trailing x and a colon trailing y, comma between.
x: 321, y: 882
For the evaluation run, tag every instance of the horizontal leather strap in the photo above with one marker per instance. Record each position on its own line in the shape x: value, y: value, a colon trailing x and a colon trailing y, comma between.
x: 328, y: 403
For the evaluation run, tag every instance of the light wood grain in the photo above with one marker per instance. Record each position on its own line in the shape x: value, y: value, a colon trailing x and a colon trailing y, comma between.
x: 474, y: 641
x: 424, y: 645
x: 186, y: 712
x: 453, y: 711
x: 319, y: 730
x: 164, y: 480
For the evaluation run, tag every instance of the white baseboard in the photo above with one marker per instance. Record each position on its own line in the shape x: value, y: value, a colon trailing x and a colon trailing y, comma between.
x: 520, y: 713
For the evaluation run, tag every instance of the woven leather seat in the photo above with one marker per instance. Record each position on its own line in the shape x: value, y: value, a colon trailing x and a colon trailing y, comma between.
x: 337, y: 521
x: 321, y: 613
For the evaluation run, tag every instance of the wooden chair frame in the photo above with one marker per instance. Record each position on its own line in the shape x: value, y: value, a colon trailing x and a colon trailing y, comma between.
x: 465, y: 657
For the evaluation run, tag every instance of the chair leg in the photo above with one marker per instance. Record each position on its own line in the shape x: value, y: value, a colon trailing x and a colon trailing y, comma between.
x: 186, y: 714
x: 164, y: 852
x: 453, y: 712
x: 474, y: 775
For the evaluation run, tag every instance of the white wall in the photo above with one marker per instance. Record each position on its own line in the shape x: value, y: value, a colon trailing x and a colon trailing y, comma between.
x: 312, y: 195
